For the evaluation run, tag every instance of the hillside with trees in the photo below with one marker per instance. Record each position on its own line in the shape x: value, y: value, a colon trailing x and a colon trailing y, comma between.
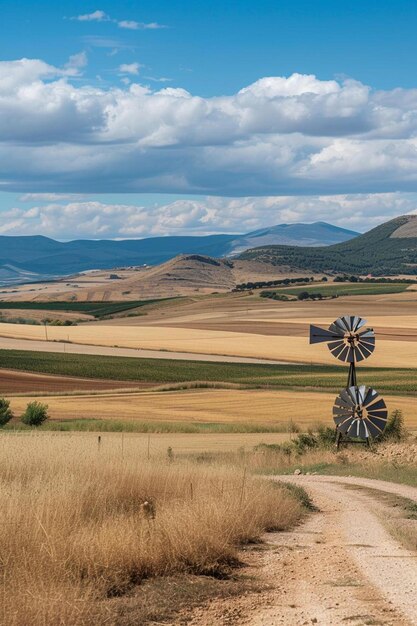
x: 390, y: 248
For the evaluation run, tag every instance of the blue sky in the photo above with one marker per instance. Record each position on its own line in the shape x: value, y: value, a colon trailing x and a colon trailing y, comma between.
x: 130, y: 119
x: 218, y: 47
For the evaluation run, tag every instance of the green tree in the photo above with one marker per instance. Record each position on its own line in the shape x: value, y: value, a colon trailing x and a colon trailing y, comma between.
x: 35, y: 414
x: 5, y: 411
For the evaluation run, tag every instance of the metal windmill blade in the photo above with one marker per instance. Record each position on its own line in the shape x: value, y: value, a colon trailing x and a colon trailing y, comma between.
x: 346, y: 338
x: 360, y: 412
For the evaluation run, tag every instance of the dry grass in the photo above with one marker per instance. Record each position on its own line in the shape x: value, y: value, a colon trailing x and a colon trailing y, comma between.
x: 74, y: 531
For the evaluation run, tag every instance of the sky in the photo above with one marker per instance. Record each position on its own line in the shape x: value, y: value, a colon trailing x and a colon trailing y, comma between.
x: 135, y: 119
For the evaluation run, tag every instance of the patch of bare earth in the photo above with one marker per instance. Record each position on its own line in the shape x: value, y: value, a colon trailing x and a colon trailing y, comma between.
x: 13, y: 381
x: 342, y: 566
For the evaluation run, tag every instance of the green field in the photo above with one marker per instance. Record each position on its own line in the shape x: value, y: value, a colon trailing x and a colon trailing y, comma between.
x: 96, y: 309
x: 161, y: 371
x: 350, y: 289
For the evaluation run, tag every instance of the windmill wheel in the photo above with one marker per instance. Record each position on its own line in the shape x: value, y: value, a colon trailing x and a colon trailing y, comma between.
x: 347, y: 339
x: 360, y: 412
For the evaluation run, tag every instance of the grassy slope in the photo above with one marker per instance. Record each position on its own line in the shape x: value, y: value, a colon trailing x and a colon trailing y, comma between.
x: 373, y: 252
x: 330, y: 378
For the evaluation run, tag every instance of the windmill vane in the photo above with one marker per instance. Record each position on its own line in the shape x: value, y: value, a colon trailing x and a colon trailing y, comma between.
x: 360, y: 414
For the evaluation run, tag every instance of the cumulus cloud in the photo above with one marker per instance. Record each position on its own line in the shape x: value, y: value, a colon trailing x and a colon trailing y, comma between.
x: 130, y: 68
x: 92, y: 219
x: 295, y: 135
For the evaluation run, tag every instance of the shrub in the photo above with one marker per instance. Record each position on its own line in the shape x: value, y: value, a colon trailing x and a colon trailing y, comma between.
x: 326, y: 436
x: 304, y: 441
x: 35, y: 414
x: 395, y: 430
x: 5, y: 411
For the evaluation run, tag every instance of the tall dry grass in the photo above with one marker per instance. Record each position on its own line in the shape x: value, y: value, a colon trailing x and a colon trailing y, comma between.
x: 73, y: 529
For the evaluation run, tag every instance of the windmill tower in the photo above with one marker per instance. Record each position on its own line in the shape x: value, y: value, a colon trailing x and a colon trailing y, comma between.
x: 360, y: 414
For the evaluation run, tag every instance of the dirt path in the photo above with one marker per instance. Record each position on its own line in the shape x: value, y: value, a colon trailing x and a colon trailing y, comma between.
x: 340, y: 567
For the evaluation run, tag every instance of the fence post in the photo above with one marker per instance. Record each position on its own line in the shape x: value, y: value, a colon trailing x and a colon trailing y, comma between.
x: 243, y: 485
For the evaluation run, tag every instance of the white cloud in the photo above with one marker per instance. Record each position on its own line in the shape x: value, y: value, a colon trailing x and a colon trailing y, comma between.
x: 75, y: 63
x: 101, y: 16
x: 162, y: 79
x: 92, y: 219
x: 96, y: 16
x: 133, y: 25
x: 48, y: 197
x: 130, y: 68
x: 279, y: 136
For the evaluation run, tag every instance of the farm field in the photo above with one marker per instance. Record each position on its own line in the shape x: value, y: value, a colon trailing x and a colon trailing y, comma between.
x: 207, y: 409
x: 248, y: 326
x: 93, y: 309
x: 173, y: 374
x: 349, y: 289
x: 302, y: 392
x: 391, y: 353
x: 13, y: 381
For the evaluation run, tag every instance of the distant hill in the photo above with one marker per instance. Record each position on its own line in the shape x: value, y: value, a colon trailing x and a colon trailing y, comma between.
x: 47, y: 258
x: 317, y: 234
x: 387, y: 249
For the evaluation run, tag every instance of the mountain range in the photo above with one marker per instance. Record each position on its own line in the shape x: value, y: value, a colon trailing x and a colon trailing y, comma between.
x: 390, y: 248
x: 31, y: 258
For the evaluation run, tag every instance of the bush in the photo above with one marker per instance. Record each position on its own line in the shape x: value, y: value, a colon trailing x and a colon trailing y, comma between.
x: 326, y: 436
x: 36, y: 413
x: 305, y: 441
x: 394, y: 430
x: 5, y: 411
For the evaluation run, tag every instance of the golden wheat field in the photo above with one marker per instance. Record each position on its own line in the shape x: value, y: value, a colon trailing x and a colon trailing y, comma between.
x: 248, y: 326
x: 80, y: 527
x: 222, y: 406
x: 285, y: 348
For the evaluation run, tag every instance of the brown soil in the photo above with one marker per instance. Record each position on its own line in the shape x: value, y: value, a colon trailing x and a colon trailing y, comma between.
x: 12, y: 381
x: 285, y: 329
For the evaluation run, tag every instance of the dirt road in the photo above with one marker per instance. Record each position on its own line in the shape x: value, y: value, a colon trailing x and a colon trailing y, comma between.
x: 340, y: 567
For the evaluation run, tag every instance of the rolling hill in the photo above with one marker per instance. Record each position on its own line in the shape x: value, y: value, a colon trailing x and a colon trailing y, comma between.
x: 46, y: 258
x: 390, y: 248
x: 185, y: 275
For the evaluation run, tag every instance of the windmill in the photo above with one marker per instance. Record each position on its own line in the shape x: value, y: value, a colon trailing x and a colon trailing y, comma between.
x: 360, y: 414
